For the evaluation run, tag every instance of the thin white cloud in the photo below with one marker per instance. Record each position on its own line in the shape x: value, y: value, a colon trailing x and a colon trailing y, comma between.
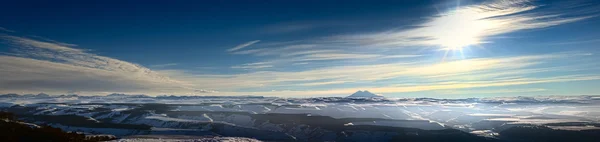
x: 205, y: 91
x: 23, y: 74
x: 335, y: 56
x: 323, y: 83
x: 491, y: 91
x: 252, y: 66
x: 33, y: 44
x: 278, y: 50
x: 164, y: 65
x: 6, y: 30
x: 469, y: 73
x: 420, y: 87
x: 285, y: 55
x: 401, y: 56
x: 576, y: 42
x: 471, y: 24
x: 463, y: 26
x: 468, y: 25
x: 41, y: 66
x: 242, y: 46
x: 480, y: 84
x: 255, y: 65
x: 290, y: 27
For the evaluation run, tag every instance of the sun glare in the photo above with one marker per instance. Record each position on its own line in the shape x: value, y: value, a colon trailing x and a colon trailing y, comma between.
x: 460, y: 29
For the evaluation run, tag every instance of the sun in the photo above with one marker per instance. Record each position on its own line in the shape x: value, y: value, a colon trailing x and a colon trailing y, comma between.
x: 459, y: 29
x: 458, y: 43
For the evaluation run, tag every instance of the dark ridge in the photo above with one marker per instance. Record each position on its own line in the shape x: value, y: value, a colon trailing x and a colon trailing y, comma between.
x: 325, y: 122
x: 79, y: 121
x: 85, y: 104
x: 11, y: 95
x: 13, y: 130
x: 200, y: 113
x: 545, y: 134
x: 573, y: 124
x: 207, y: 97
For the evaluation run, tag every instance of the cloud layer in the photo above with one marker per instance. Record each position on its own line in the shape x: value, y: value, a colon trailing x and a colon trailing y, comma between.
x: 44, y: 66
x: 469, y: 25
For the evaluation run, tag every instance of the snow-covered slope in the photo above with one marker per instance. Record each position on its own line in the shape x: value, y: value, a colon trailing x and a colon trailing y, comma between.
x: 169, y: 139
x: 304, y: 119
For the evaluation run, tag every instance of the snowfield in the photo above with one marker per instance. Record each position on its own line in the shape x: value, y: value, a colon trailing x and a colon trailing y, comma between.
x: 164, y: 138
x: 305, y: 119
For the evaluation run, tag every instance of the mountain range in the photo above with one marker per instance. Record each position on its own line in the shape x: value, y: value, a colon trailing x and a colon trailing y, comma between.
x: 316, y: 119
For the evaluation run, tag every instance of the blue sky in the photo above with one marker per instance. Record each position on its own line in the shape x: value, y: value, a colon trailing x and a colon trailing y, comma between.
x: 445, y: 49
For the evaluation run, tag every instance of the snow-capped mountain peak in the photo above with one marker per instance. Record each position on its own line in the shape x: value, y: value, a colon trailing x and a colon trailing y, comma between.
x: 364, y: 94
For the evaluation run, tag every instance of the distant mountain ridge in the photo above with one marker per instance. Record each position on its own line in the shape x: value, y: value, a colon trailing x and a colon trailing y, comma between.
x: 364, y: 94
x: 329, y: 119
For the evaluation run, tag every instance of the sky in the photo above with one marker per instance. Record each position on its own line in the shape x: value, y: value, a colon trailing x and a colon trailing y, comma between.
x: 415, y: 48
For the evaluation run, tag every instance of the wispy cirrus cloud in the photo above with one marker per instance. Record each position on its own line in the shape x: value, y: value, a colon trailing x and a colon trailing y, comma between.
x: 35, y: 44
x: 242, y: 45
x: 494, y: 91
x: 6, y: 30
x: 574, y: 42
x: 257, y: 65
x: 466, y: 25
x: 463, y: 26
x: 411, y: 77
x: 47, y: 66
x: 164, y: 65
x: 472, y: 24
x: 285, y: 55
x: 40, y: 66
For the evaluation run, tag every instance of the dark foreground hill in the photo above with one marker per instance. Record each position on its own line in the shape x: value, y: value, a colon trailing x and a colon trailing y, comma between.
x: 13, y: 130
